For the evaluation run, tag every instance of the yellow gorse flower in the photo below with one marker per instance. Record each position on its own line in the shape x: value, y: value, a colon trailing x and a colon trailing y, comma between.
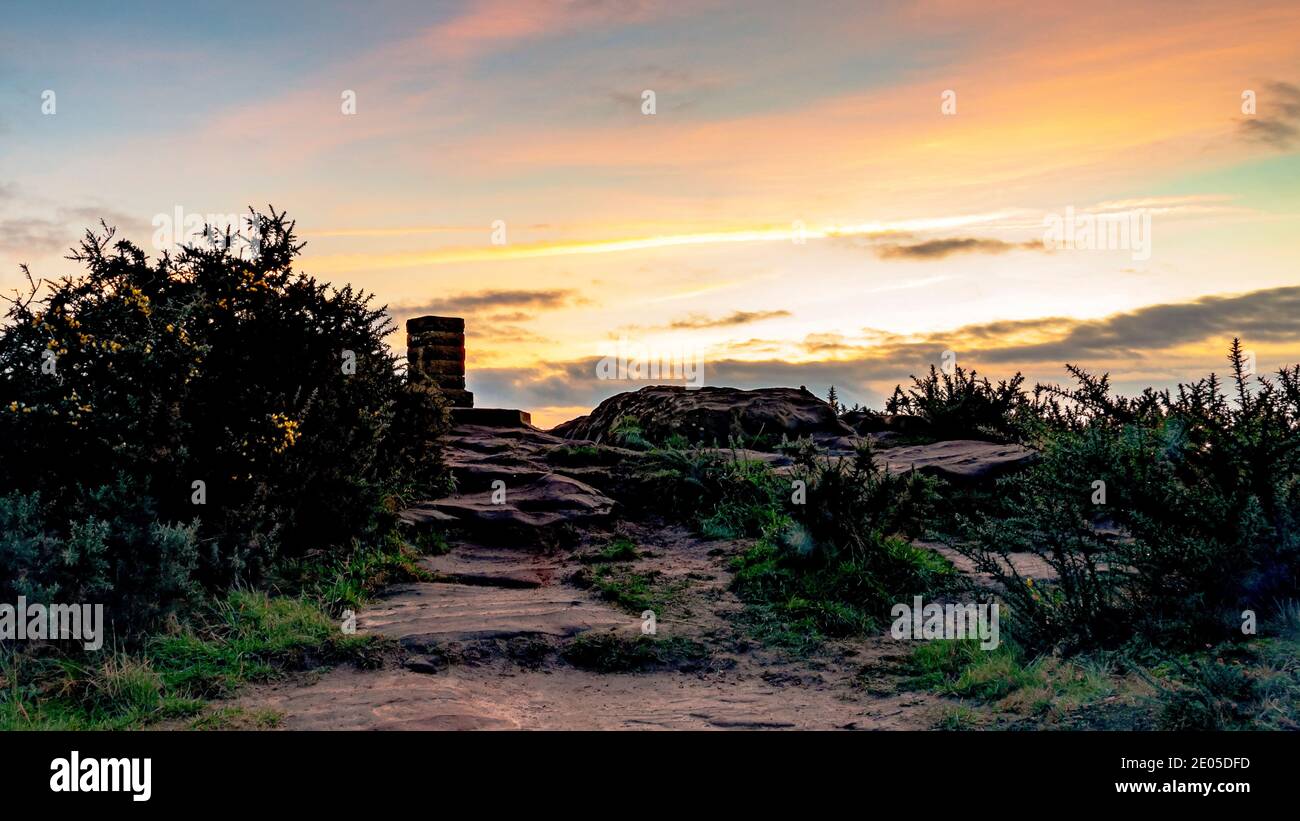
x: 288, y: 431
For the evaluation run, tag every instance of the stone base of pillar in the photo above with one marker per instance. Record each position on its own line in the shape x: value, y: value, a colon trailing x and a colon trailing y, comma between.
x: 492, y: 417
x: 458, y: 398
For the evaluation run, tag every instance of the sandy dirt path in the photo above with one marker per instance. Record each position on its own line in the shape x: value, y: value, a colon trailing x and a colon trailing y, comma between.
x: 478, y: 653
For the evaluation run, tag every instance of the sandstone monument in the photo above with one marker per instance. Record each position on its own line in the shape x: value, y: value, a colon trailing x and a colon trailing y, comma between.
x: 435, y: 352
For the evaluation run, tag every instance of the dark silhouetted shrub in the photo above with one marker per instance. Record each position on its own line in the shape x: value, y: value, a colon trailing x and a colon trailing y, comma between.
x: 123, y: 387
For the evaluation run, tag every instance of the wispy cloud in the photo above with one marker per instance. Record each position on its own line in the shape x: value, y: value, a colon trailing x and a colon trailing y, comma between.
x: 736, y: 236
x: 480, y: 301
x: 492, y: 24
x: 730, y: 320
x: 1277, y: 121
x: 946, y: 247
x: 35, y: 236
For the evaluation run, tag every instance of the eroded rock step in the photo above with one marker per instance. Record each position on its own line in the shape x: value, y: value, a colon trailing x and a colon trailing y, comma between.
x: 494, y: 566
x: 518, y: 505
x: 457, y: 612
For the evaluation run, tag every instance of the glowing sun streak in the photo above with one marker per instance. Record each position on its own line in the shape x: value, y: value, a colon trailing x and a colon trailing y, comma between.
x: 795, y: 233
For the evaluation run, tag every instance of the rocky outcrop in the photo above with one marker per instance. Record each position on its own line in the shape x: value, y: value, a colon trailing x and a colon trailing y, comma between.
x: 531, y: 502
x: 509, y: 481
x: 516, y: 482
x: 479, y: 454
x: 710, y: 415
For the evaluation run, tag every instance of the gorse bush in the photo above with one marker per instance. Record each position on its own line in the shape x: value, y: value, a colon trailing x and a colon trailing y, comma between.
x: 724, y: 494
x: 962, y: 405
x: 854, y: 502
x: 836, y: 561
x: 182, y: 423
x: 115, y: 550
x: 1165, y: 516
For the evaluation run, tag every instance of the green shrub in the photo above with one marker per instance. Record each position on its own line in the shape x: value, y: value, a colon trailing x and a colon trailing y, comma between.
x: 1199, y: 520
x: 1212, y: 696
x: 852, y: 503
x: 114, y: 549
x: 627, y: 433
x: 839, y: 560
x: 725, y: 495
x: 963, y: 405
x: 838, y: 595
x: 122, y: 387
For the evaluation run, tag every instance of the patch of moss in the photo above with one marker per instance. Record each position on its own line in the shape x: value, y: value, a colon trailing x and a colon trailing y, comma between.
x: 620, y: 549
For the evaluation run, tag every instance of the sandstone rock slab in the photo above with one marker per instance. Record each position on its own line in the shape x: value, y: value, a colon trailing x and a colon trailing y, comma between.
x: 959, y: 460
x: 540, y: 502
x: 437, y: 613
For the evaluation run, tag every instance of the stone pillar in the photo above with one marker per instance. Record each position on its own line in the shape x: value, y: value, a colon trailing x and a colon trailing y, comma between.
x: 435, y: 352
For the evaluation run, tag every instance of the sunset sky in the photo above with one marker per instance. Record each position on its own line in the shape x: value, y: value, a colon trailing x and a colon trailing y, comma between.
x: 799, y: 208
